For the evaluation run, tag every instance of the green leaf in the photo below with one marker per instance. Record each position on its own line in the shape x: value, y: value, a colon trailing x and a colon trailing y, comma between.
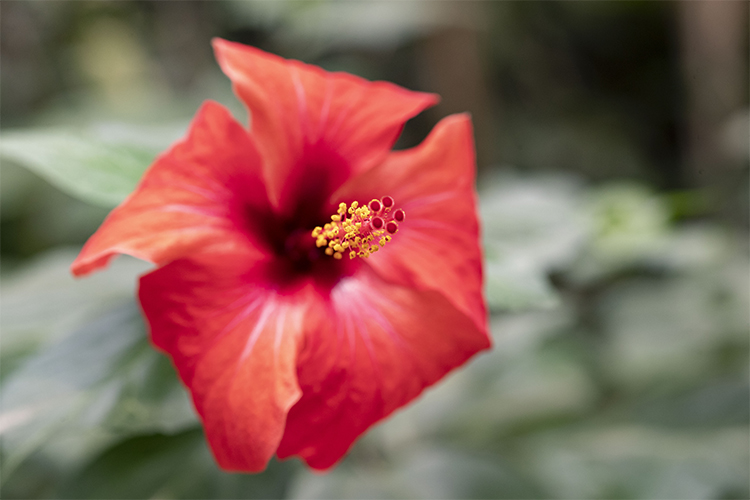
x: 531, y: 227
x: 100, y: 383
x: 176, y: 466
x: 424, y: 470
x: 100, y: 166
x: 675, y: 331
x: 631, y: 229
x: 635, y: 461
x: 517, y: 284
x: 42, y: 303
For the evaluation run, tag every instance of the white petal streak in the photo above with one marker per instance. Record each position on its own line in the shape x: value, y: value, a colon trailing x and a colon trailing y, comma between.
x: 354, y: 326
x: 302, y: 111
x: 354, y: 302
x: 281, y: 317
x: 370, y: 310
x: 245, y: 311
x: 268, y: 308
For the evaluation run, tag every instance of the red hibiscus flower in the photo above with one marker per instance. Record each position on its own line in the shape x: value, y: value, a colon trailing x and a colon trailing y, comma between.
x: 309, y: 280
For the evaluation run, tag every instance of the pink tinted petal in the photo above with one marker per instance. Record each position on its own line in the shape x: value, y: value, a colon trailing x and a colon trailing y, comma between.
x: 199, y: 195
x: 374, y: 349
x: 305, y: 117
x: 235, y: 347
x: 437, y: 245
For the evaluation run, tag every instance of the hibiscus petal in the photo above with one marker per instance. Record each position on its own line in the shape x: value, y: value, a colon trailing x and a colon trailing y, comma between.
x: 235, y: 347
x: 199, y: 195
x: 377, y: 347
x: 311, y: 123
x: 437, y: 246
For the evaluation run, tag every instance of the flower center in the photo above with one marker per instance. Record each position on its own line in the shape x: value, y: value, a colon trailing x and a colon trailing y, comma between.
x: 359, y: 231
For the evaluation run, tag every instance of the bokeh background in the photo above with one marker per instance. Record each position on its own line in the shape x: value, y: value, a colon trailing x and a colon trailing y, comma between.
x: 612, y: 142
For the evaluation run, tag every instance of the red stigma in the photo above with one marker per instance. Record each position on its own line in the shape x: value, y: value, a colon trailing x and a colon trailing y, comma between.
x: 399, y: 215
x: 375, y: 206
x: 387, y: 201
x: 391, y: 227
x: 377, y: 223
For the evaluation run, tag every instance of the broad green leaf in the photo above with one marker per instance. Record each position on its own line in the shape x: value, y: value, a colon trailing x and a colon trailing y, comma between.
x: 99, y: 383
x: 103, y: 174
x: 100, y: 166
x: 43, y: 303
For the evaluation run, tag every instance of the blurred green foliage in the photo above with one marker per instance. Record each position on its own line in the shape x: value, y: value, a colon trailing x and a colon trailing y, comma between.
x: 617, y: 282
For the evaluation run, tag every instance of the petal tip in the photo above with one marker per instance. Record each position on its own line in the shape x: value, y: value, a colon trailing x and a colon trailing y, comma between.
x: 431, y: 99
x: 84, y: 264
x: 464, y: 118
x: 220, y: 43
x: 77, y: 271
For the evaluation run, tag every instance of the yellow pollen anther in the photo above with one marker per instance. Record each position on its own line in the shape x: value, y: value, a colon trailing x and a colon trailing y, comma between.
x: 362, y: 232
